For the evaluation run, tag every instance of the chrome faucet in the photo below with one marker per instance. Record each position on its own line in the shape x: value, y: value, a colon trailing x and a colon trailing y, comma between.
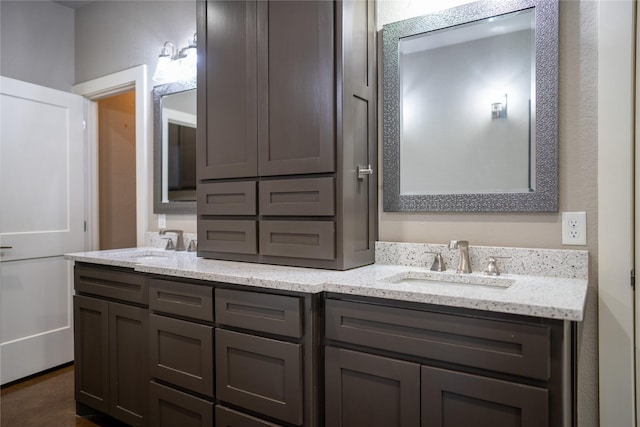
x: 179, y: 238
x: 464, y: 265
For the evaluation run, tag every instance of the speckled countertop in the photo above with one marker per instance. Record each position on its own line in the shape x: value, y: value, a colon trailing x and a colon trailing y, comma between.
x: 532, y: 295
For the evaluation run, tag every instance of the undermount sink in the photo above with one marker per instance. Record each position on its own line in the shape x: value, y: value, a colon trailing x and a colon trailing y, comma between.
x: 146, y: 257
x: 433, y: 278
x: 139, y: 255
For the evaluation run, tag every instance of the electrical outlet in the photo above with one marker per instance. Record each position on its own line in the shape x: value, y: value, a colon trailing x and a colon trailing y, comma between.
x: 574, y: 228
x: 162, y: 221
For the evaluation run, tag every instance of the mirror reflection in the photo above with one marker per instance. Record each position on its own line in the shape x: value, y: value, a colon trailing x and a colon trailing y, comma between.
x: 175, y: 148
x: 466, y: 97
x: 470, y: 109
x: 179, y: 146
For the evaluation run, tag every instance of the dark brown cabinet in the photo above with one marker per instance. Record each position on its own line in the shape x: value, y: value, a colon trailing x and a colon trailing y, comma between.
x: 296, y: 87
x: 372, y: 391
x: 91, y: 347
x: 260, y: 374
x: 226, y: 417
x: 451, y: 398
x: 181, y: 353
x: 436, y: 366
x: 208, y: 353
x: 111, y: 354
x: 172, y: 408
x: 270, y: 104
x: 266, y: 358
x: 284, y: 123
x: 227, y: 132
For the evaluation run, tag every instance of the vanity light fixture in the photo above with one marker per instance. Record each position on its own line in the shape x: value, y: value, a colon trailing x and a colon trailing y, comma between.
x: 499, y: 109
x: 176, y: 65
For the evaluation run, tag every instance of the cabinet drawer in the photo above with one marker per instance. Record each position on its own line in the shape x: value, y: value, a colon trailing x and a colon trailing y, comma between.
x: 227, y: 198
x: 233, y: 236
x: 298, y: 239
x: 171, y: 408
x: 182, y: 353
x: 501, y: 346
x: 260, y: 375
x: 458, y: 399
x: 275, y: 314
x: 309, y: 196
x: 132, y: 287
x: 182, y: 299
x: 226, y: 417
x: 366, y: 390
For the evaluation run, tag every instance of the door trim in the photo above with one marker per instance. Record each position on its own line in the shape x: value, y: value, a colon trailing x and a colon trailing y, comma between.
x: 102, y: 87
x: 616, y: 212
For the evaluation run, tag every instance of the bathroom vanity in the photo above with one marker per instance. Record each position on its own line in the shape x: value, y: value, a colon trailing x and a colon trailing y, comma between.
x: 166, y: 338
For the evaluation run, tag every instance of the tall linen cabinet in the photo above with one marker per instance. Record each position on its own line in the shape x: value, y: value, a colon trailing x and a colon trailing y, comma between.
x: 287, y: 157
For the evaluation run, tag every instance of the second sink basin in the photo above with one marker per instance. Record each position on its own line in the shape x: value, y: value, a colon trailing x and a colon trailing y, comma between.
x: 432, y: 278
x: 149, y: 256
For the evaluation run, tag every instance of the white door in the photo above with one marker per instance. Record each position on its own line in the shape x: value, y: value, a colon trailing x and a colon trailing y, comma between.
x: 41, y: 218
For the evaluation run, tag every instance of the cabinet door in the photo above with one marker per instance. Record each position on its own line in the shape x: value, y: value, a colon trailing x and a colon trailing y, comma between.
x: 173, y: 408
x: 229, y: 418
x: 452, y: 398
x: 260, y: 374
x: 366, y: 390
x: 182, y: 353
x: 229, y: 146
x: 91, y: 342
x: 128, y: 363
x: 296, y: 87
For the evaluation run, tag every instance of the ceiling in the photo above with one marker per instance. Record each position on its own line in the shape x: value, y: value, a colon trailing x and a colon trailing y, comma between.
x: 75, y: 4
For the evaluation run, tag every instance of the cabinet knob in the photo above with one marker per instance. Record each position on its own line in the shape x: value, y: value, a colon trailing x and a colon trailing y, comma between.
x: 364, y: 171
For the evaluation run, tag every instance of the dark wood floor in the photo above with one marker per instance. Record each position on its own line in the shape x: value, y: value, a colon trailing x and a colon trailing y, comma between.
x: 45, y: 400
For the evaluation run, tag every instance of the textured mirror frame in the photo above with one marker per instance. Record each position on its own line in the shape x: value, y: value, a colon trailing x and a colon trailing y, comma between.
x: 160, y: 207
x: 545, y: 196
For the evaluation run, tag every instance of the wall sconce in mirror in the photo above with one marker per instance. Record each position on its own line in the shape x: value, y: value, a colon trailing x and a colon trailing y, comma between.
x: 499, y: 109
x: 177, y: 65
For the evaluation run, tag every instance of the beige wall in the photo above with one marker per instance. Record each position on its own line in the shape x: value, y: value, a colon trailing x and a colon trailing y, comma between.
x: 578, y: 178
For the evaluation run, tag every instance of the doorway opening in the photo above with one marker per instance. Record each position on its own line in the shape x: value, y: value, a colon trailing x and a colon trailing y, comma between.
x: 128, y: 83
x: 117, y: 171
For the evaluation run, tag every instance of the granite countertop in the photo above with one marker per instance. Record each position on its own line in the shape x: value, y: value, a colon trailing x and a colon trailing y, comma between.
x: 532, y: 295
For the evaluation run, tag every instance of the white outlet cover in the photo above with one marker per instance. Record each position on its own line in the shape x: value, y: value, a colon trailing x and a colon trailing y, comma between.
x: 574, y: 228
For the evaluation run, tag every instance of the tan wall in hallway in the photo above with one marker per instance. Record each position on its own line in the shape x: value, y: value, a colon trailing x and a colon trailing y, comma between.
x: 117, y: 171
x: 578, y: 178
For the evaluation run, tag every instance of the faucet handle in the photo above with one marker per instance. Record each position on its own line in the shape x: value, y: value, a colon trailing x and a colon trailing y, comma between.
x: 492, y: 267
x: 438, y: 262
x: 193, y: 246
x: 170, y: 245
x: 179, y: 238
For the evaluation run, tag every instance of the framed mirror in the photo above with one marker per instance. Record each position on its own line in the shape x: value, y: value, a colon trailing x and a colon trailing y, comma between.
x: 470, y: 99
x: 174, y: 148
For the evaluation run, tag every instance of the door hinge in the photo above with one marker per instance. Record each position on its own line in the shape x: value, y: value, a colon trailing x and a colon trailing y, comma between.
x: 633, y: 279
x: 84, y: 125
x: 85, y: 226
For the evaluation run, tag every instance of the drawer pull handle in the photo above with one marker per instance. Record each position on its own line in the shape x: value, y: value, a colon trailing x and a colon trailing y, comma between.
x: 364, y: 171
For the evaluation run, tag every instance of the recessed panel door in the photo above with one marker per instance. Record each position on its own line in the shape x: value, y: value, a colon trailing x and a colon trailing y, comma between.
x: 42, y: 218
